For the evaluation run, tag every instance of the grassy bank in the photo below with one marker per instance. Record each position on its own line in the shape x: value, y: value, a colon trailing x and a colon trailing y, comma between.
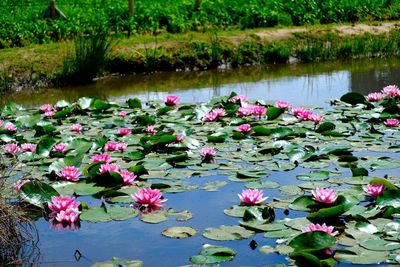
x: 41, y: 65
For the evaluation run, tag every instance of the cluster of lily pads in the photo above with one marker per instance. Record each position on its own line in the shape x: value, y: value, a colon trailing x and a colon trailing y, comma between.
x: 128, y: 155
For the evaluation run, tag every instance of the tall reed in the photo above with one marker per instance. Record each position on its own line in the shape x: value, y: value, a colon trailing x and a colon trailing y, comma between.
x: 89, y: 60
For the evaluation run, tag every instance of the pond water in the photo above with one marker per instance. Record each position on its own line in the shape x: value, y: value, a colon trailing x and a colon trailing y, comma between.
x: 301, y: 84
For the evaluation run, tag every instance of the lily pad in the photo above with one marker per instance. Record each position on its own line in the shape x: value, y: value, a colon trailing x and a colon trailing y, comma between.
x: 179, y: 232
x: 213, y: 254
x: 359, y: 255
x: 107, y: 213
x: 116, y: 262
x: 227, y: 233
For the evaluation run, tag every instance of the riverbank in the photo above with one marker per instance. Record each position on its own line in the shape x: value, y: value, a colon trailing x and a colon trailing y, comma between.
x: 36, y: 66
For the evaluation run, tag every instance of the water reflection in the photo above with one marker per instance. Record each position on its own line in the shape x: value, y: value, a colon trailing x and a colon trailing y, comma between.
x: 301, y: 84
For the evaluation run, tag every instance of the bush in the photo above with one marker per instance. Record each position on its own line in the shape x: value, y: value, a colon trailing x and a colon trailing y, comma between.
x: 91, y: 53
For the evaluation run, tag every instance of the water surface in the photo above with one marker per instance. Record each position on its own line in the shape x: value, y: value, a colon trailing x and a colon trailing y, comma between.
x: 301, y: 84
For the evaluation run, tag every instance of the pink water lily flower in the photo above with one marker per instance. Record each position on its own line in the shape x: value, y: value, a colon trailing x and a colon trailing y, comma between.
x: 46, y: 108
x: 69, y: 215
x: 122, y: 147
x: 49, y: 114
x: 122, y: 114
x: 128, y: 177
x: 316, y: 118
x: 304, y: 116
x: 11, y: 148
x: 324, y: 195
x: 210, y: 116
x: 220, y: 112
x: 61, y: 148
x: 69, y: 173
x: 391, y: 91
x: 259, y: 110
x: 179, y: 137
x: 374, y: 190
x: 245, y: 111
x: 108, y: 168
x: 60, y: 203
x: 115, y: 146
x: 172, y: 100
x: 101, y: 158
x: 111, y: 146
x: 28, y: 147
x: 391, y: 123
x: 207, y: 152
x: 10, y: 127
x: 76, y: 128
x: 151, y: 129
x: 237, y: 98
x: 124, y: 131
x: 373, y: 97
x: 149, y: 197
x: 282, y: 104
x: 322, y: 228
x: 244, y: 128
x: 252, y: 197
x: 297, y: 111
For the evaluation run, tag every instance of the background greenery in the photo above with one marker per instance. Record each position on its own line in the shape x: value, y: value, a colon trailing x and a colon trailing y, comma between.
x: 22, y: 21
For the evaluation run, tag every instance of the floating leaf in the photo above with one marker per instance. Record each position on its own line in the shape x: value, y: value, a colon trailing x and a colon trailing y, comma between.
x: 154, y: 217
x: 353, y: 98
x: 380, y: 245
x: 314, y: 176
x: 107, y: 213
x: 358, y: 255
x: 235, y: 211
x: 312, y: 241
x: 227, y: 233
x: 37, y: 193
x: 116, y: 262
x: 134, y: 103
x: 213, y: 254
x: 80, y: 189
x: 179, y: 232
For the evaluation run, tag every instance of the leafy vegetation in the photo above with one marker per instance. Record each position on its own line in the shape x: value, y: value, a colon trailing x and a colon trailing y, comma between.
x: 23, y: 23
x: 90, y: 58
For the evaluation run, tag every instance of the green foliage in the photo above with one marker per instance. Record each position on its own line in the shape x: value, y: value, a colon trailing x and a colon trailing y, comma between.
x: 90, y: 58
x: 23, y: 22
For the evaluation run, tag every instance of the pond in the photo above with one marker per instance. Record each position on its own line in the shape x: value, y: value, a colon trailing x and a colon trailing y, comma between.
x: 316, y: 83
x: 238, y: 165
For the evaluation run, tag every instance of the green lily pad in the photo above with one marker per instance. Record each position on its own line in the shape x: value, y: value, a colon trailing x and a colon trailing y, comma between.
x: 312, y: 241
x: 213, y: 254
x: 37, y: 193
x: 380, y: 245
x: 359, y: 255
x: 80, y: 189
x: 107, y: 213
x: 116, y: 262
x: 235, y: 211
x: 314, y: 176
x: 227, y: 233
x: 179, y: 232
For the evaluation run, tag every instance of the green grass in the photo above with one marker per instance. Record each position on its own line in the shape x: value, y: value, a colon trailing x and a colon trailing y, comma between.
x: 23, y: 24
x: 90, y: 57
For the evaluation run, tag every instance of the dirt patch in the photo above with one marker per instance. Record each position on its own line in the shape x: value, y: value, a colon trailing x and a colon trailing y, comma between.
x: 356, y: 29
